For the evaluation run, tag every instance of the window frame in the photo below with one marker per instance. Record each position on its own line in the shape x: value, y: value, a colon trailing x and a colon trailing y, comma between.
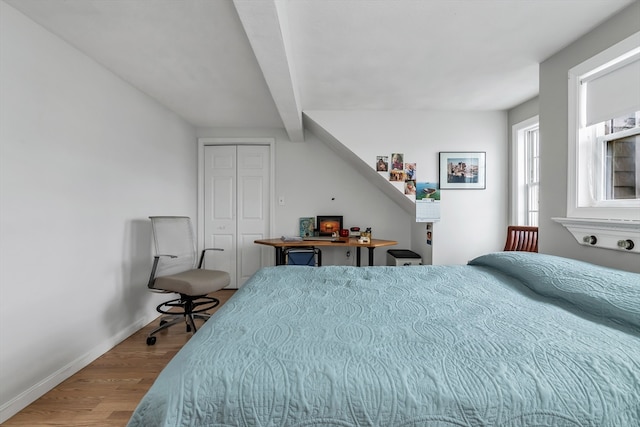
x: 520, y: 169
x: 583, y: 148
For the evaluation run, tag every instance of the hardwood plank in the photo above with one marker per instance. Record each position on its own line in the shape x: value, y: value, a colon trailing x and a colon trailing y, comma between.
x: 106, y: 392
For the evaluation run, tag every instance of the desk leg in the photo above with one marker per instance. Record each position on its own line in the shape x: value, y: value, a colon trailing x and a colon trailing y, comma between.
x: 278, y: 255
x: 358, y: 256
x: 371, y: 256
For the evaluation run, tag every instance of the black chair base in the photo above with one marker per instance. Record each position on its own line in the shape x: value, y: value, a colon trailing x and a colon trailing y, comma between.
x: 186, y: 308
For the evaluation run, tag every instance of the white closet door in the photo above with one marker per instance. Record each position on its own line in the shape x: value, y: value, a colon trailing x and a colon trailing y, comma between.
x: 253, y: 207
x: 236, y: 207
x: 220, y: 208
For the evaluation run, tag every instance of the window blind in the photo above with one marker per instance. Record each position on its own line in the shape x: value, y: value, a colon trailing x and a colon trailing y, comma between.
x: 613, y: 91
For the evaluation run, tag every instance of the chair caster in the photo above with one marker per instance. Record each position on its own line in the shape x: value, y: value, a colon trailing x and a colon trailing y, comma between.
x: 162, y: 322
x: 151, y: 340
x: 188, y: 328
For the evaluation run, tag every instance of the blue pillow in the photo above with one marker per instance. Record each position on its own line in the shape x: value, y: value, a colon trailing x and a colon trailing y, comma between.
x: 601, y: 291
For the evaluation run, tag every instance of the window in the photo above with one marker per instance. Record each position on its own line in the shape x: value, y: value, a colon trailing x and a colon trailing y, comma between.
x: 621, y: 178
x: 532, y: 170
x: 604, y: 116
x: 526, y: 172
x: 603, y: 202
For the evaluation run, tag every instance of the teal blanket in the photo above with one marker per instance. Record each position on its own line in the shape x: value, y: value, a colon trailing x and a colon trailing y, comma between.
x: 513, y: 339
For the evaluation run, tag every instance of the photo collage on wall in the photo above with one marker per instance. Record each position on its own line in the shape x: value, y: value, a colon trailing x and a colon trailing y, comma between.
x: 402, y: 174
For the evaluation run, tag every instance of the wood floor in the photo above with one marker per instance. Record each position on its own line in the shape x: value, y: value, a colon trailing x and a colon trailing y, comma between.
x: 106, y: 392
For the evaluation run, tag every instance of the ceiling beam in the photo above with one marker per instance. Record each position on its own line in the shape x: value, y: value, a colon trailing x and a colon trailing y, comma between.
x: 266, y: 26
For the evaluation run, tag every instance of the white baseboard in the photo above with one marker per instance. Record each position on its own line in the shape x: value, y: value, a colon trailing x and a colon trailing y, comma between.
x: 33, y: 393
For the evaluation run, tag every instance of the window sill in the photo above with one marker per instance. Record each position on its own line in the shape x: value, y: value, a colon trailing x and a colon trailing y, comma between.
x: 604, y: 233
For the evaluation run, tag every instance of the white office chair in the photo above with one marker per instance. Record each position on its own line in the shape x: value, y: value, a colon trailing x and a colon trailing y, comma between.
x: 176, y: 268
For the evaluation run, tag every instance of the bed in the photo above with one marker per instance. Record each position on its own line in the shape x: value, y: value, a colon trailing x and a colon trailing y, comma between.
x: 511, y: 339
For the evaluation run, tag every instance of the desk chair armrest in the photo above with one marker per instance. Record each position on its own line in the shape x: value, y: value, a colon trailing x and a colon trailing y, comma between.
x: 202, y: 255
x: 152, y: 277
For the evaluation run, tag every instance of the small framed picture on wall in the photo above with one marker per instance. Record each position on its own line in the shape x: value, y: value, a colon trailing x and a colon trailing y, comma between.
x: 462, y: 170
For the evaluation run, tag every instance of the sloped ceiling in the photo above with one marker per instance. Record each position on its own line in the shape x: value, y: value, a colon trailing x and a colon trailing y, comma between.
x: 260, y: 63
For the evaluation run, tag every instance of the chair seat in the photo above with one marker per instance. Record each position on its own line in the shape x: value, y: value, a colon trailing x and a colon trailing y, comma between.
x: 193, y: 282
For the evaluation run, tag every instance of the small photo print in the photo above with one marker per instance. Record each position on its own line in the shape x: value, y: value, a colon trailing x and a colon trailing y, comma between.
x: 410, y: 171
x: 462, y: 170
x: 382, y: 163
x: 397, y: 161
x: 396, y: 175
x: 410, y: 188
x: 427, y: 190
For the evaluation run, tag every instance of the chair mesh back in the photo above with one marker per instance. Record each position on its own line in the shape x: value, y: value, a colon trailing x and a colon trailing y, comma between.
x: 174, y: 236
x: 303, y: 256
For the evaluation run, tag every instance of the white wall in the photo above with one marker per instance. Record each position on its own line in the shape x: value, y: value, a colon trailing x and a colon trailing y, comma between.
x: 553, y: 99
x: 522, y: 112
x: 518, y: 114
x: 315, y: 181
x: 473, y: 221
x: 84, y: 160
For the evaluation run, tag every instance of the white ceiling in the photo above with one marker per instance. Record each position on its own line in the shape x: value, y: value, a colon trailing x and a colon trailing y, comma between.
x: 260, y: 63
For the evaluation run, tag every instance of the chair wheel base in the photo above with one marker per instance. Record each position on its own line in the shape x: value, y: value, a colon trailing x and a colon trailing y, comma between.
x: 186, y: 308
x: 188, y: 305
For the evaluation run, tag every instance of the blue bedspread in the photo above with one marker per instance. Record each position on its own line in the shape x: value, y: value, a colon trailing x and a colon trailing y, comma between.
x: 514, y: 339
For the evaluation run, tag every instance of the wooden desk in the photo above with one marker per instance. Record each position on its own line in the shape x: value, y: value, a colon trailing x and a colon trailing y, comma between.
x: 352, y: 242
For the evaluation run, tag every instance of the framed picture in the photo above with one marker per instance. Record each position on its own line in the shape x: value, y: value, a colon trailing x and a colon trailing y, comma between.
x: 462, y: 170
x: 307, y: 224
x: 327, y: 225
